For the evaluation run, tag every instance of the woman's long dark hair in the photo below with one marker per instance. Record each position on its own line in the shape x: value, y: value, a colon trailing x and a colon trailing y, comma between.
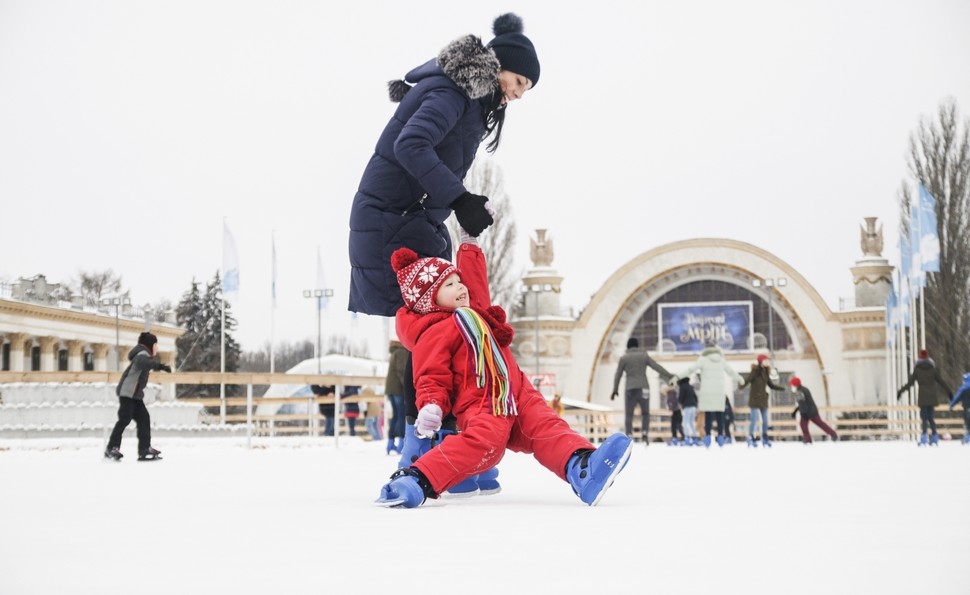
x: 494, y: 119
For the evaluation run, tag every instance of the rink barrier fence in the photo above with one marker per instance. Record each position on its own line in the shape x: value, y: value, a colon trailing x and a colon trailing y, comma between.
x: 237, y: 415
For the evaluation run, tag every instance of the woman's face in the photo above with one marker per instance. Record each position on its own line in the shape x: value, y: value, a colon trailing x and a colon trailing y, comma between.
x: 452, y: 294
x: 513, y: 85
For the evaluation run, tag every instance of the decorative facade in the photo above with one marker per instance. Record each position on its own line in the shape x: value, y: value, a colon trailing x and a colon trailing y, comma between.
x: 46, y: 335
x: 675, y: 297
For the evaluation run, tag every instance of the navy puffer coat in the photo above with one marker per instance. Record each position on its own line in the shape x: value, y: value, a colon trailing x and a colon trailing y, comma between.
x: 417, y: 169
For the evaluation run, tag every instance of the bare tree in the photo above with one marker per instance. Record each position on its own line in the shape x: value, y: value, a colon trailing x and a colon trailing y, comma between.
x: 94, y: 285
x: 939, y: 159
x: 498, y: 241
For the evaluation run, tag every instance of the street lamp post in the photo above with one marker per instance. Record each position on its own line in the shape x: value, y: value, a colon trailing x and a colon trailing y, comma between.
x: 319, y: 294
x: 117, y: 302
x: 535, y: 290
x: 769, y: 285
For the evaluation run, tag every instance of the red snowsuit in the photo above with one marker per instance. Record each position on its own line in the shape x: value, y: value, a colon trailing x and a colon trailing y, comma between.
x: 443, y: 375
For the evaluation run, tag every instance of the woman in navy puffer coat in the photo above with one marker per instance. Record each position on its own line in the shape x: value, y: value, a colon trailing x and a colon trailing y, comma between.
x: 413, y: 182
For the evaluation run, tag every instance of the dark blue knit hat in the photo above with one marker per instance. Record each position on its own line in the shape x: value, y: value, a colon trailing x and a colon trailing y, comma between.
x: 514, y: 50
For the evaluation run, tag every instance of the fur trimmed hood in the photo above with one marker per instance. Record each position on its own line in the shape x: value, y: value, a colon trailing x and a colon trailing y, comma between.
x: 473, y: 67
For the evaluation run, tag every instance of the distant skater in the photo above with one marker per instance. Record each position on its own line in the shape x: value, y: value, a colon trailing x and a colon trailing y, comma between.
x: 131, y: 398
x: 808, y: 411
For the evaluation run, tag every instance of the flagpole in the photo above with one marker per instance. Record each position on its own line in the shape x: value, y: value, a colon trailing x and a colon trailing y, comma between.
x: 272, y: 312
x: 222, y: 365
x: 222, y: 332
x: 922, y: 319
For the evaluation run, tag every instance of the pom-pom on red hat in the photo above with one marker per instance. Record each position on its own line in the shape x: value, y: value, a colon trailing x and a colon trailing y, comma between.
x: 795, y: 381
x: 924, y: 354
x: 762, y: 357
x: 420, y: 278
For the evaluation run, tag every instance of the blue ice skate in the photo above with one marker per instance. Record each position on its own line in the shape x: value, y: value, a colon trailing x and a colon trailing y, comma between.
x: 413, y: 447
x: 923, y: 440
x: 403, y: 491
x: 765, y: 442
x: 720, y: 440
x: 707, y: 441
x: 591, y: 473
x: 488, y: 482
x: 935, y: 440
x: 966, y: 438
x: 752, y: 443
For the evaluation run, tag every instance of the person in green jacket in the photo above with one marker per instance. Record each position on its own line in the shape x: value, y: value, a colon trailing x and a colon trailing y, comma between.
x: 759, y: 379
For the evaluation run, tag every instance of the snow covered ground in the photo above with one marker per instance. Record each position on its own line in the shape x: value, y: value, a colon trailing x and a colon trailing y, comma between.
x: 295, y: 516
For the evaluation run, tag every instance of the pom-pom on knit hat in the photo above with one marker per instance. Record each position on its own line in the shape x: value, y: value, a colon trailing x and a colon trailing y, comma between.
x: 795, y: 381
x: 761, y: 357
x: 420, y: 278
x: 924, y: 354
x: 514, y: 50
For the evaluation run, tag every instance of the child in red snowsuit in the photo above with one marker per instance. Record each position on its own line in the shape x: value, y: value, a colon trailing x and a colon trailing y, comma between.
x: 463, y: 365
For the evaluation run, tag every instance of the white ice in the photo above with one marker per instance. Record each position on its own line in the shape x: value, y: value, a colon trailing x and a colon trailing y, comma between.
x: 296, y: 516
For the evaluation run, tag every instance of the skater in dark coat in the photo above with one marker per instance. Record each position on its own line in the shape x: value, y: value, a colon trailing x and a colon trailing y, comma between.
x: 676, y: 415
x: 634, y: 364
x: 687, y: 397
x: 963, y: 396
x: 327, y: 410
x: 927, y: 376
x: 394, y: 390
x: 413, y: 182
x: 131, y: 397
x: 808, y: 411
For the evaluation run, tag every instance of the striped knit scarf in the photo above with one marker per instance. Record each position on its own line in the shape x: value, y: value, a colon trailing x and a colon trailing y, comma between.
x: 491, y: 372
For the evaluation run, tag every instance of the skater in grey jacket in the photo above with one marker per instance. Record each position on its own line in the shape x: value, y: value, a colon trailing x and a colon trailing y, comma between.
x: 131, y: 396
x: 634, y: 364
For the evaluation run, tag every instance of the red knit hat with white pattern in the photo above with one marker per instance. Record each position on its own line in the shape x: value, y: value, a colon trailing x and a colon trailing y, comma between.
x: 420, y: 279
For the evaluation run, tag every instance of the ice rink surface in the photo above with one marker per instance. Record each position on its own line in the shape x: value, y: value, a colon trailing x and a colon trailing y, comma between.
x: 296, y: 516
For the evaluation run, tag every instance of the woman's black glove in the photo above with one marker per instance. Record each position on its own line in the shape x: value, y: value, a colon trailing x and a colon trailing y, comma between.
x: 471, y: 213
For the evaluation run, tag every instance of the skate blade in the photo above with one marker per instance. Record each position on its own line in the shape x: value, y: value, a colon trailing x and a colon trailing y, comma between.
x: 146, y: 459
x: 389, y: 503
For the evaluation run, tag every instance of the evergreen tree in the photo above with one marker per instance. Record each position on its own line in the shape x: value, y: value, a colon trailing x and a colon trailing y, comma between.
x: 190, y: 316
x: 200, y: 347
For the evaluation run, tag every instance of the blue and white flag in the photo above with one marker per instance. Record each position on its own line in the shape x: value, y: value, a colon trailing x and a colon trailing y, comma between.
x: 902, y: 280
x: 905, y: 265
x: 929, y: 239
x: 230, y: 265
x: 916, y: 275
x: 892, y: 316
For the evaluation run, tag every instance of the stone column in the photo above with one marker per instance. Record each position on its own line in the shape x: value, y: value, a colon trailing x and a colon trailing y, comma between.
x: 17, y: 342
x: 48, y: 354
x: 75, y: 355
x: 100, y: 351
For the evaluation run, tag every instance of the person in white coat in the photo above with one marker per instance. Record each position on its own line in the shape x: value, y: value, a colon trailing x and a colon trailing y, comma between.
x: 714, y: 373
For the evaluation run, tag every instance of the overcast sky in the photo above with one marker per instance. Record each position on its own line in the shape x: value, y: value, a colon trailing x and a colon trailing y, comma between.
x: 129, y: 129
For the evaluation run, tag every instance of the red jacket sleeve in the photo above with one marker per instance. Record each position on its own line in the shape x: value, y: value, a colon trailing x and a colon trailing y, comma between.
x: 474, y: 274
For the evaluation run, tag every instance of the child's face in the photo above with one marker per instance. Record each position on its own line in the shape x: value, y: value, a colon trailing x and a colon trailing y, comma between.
x: 452, y: 294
